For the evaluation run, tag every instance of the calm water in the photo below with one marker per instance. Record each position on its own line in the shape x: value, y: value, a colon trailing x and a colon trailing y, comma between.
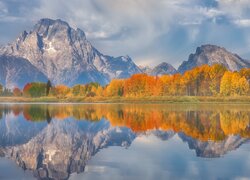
x: 122, y: 141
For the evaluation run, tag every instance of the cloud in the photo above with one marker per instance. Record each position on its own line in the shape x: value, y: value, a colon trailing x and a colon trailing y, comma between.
x: 126, y: 27
x: 3, y: 9
x: 148, y: 30
x: 243, y: 22
x: 235, y: 7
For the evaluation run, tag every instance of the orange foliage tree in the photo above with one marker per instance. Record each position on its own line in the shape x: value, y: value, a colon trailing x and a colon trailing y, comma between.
x: 204, y: 80
x: 17, y: 92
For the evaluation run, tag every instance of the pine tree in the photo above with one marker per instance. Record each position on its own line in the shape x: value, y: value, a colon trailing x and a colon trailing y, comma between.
x: 48, y: 87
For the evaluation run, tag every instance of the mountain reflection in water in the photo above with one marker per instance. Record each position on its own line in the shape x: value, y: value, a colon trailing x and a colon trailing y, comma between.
x: 56, y: 140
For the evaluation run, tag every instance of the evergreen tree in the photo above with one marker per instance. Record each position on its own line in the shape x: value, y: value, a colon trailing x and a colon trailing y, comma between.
x: 48, y: 87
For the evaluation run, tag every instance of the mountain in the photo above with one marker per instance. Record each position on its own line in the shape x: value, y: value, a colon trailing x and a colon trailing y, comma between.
x: 16, y: 72
x: 211, y: 54
x: 64, y: 147
x: 145, y: 69
x: 213, y: 149
x: 65, y: 56
x: 163, y: 68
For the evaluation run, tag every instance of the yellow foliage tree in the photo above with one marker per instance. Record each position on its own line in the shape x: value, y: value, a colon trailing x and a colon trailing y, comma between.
x: 225, y: 84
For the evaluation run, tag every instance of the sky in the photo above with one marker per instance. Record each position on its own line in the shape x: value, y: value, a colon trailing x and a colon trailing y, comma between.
x: 149, y: 31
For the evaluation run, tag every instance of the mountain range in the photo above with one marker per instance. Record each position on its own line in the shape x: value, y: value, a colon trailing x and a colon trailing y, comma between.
x: 64, y: 55
x: 54, y: 51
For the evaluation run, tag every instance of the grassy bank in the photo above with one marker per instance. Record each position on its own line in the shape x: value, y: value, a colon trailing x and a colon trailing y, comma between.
x: 164, y: 99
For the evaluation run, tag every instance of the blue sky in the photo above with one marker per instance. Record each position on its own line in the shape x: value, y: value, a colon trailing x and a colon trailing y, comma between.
x: 150, y: 31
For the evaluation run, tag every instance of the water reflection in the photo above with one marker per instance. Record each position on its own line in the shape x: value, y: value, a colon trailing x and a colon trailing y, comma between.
x: 55, y: 141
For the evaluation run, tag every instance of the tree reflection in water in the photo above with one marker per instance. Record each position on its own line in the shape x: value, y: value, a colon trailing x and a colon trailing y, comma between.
x: 55, y: 140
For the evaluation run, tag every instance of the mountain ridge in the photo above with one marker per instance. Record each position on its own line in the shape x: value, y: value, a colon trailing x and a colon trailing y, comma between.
x: 212, y: 54
x: 158, y: 70
x: 65, y: 55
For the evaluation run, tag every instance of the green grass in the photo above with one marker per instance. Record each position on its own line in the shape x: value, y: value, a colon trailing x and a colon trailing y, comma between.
x: 161, y: 99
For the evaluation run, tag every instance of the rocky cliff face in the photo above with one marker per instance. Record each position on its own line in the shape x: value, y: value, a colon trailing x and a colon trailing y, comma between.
x: 16, y: 72
x: 211, y: 54
x: 65, y: 56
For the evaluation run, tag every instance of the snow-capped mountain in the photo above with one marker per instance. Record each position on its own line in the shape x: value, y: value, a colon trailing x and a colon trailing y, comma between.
x: 211, y: 54
x: 53, y: 50
x: 64, y: 147
x: 65, y: 56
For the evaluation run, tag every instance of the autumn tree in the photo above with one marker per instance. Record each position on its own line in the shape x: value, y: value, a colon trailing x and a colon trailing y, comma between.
x: 76, y: 90
x: 246, y: 73
x: 139, y: 85
x: 99, y: 91
x: 34, y: 89
x: 226, y: 84
x: 60, y: 91
x: 243, y: 86
x: 157, y: 89
x: 91, y: 89
x: 115, y: 88
x: 17, y: 92
x: 233, y: 84
x: 215, y: 74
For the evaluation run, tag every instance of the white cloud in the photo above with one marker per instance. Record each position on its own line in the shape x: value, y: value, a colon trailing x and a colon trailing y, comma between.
x: 211, y: 12
x: 139, y: 28
x: 125, y: 27
x: 3, y: 9
x: 243, y: 22
x: 234, y: 7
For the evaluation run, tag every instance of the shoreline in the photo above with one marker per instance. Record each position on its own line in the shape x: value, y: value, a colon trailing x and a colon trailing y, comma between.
x: 139, y: 100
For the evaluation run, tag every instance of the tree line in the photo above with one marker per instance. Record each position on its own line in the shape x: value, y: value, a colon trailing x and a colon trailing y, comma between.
x: 204, y: 80
x: 205, y: 123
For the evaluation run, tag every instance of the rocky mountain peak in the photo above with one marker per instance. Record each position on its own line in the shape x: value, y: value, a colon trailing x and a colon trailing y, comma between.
x: 22, y: 36
x: 42, y: 26
x: 208, y: 48
x: 163, y: 68
x: 212, y: 54
x: 145, y: 69
x: 57, y: 29
x: 65, y: 56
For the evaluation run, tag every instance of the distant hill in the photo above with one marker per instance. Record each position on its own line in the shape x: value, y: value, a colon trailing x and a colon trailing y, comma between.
x: 211, y: 54
x: 162, y: 68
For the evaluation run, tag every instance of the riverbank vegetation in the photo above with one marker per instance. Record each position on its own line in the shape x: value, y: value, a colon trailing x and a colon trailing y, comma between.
x: 204, y: 83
